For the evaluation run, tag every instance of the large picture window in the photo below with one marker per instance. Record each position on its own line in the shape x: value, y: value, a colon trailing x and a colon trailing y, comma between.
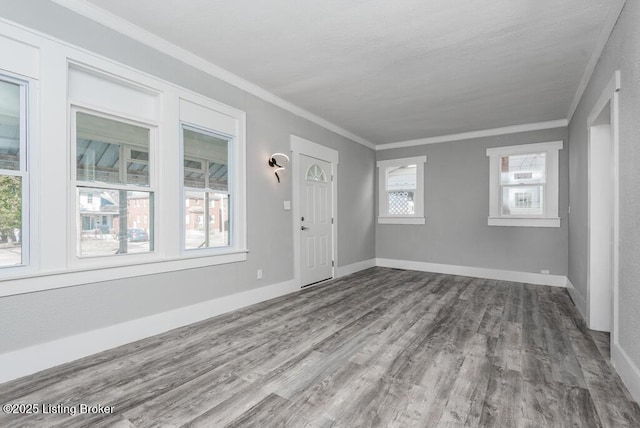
x: 524, y: 185
x: 114, y: 197
x: 206, y: 189
x: 13, y: 172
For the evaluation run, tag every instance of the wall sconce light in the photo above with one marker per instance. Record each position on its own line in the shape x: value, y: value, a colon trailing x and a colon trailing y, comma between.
x: 273, y: 163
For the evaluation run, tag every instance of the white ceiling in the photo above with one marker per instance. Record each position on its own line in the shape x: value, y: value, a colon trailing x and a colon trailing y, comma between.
x: 392, y: 71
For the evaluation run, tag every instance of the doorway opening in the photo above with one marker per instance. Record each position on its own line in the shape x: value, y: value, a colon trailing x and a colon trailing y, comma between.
x: 603, y: 196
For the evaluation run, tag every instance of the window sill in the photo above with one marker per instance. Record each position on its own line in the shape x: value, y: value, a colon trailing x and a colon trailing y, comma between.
x: 524, y: 222
x: 401, y: 220
x: 30, y: 282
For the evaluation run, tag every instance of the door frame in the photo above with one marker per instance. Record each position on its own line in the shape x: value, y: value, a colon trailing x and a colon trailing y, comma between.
x: 609, y: 97
x: 301, y: 146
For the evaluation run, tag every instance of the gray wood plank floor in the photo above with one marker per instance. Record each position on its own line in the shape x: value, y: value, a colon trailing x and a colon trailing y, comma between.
x: 380, y: 348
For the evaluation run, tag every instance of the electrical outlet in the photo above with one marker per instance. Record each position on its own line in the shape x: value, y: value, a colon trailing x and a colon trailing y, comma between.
x: 545, y: 271
x: 260, y: 273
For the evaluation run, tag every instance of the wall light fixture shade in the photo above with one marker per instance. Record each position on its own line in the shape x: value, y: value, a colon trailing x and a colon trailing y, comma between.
x: 273, y: 163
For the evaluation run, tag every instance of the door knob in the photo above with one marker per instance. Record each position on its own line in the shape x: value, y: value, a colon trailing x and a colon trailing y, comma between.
x: 304, y: 228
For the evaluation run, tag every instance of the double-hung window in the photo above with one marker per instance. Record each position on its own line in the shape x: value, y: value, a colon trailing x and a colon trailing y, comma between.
x: 114, y: 197
x: 206, y: 188
x: 13, y: 172
x: 213, y: 216
x: 401, y: 190
x: 524, y: 185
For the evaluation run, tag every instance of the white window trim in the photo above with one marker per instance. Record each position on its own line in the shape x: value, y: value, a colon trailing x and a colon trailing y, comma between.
x: 44, y: 58
x: 168, y: 240
x: 550, y: 216
x: 383, y: 209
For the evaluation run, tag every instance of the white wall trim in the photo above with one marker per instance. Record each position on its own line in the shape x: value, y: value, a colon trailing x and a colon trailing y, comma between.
x: 514, y: 129
x: 525, y: 148
x: 614, y: 85
x: 355, y: 267
x: 628, y: 371
x: 578, y: 300
x: 402, y: 220
x: 607, y: 29
x: 524, y: 222
x: 131, y: 30
x: 32, y: 359
x: 62, y: 278
x: 502, y: 275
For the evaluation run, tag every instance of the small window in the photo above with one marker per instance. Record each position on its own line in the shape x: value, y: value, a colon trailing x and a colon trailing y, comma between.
x: 13, y: 173
x: 401, y: 190
x: 524, y: 185
x: 316, y: 173
x: 206, y: 189
x: 113, y: 186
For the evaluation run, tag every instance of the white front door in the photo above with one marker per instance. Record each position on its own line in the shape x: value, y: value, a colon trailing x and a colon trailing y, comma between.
x: 316, y: 240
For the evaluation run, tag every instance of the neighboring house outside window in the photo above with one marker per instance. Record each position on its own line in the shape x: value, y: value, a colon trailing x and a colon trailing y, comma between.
x: 401, y: 190
x: 208, y: 187
x: 112, y: 160
x: 524, y: 185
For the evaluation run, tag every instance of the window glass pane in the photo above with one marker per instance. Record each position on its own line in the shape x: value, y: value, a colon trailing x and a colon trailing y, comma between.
x: 138, y: 168
x: 10, y: 220
x: 115, y: 221
x: 206, y: 222
x: 9, y: 126
x: 401, y: 187
x: 218, y: 176
x: 102, y: 144
x: 401, y: 203
x: 194, y: 174
x: 206, y: 167
x: 206, y: 160
x: 316, y: 173
x: 523, y: 169
x: 523, y: 200
x: 402, y: 177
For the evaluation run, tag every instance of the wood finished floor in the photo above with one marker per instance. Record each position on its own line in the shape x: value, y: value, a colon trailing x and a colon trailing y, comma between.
x: 380, y: 348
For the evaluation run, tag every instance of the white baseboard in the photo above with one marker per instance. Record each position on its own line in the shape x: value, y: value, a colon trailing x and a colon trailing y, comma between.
x: 503, y: 275
x: 35, y: 358
x: 355, y: 267
x: 578, y: 300
x: 628, y: 371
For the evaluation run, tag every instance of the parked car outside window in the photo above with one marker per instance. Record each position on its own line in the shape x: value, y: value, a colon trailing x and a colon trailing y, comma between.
x: 137, y: 235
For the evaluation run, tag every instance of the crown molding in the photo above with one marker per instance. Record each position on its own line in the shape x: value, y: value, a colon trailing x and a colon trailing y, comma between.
x: 156, y: 42
x: 607, y: 29
x: 114, y: 22
x: 477, y: 134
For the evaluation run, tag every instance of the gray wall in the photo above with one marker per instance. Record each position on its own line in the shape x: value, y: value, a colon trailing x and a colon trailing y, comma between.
x: 621, y: 52
x: 457, y: 207
x: 43, y: 316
